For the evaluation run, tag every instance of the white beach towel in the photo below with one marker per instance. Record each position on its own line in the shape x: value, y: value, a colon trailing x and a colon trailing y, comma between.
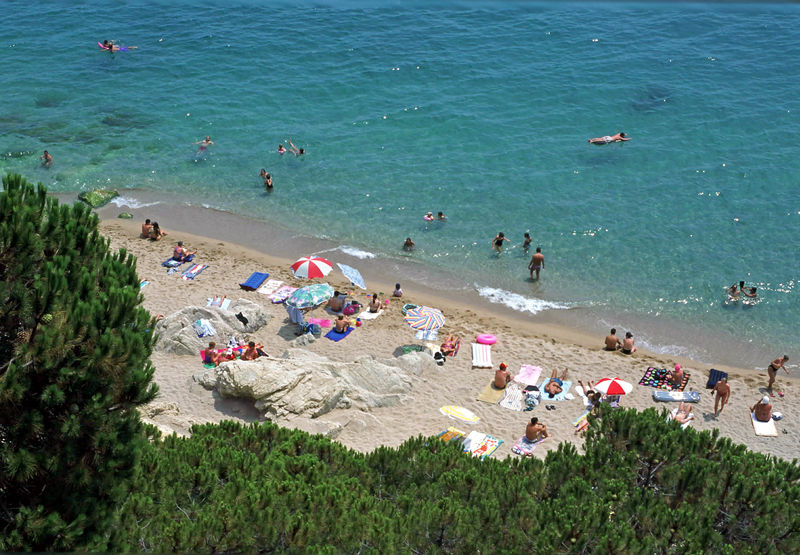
x: 270, y: 287
x: 481, y: 355
x: 514, y: 399
x: 764, y: 428
x: 367, y: 315
x: 425, y: 335
x: 224, y: 306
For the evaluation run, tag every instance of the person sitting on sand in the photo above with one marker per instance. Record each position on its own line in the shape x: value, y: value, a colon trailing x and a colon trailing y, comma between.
x: 408, y: 245
x: 502, y: 376
x: 336, y: 303
x: 211, y: 355
x: 762, y: 410
x: 180, y: 254
x: 375, y: 304
x: 612, y: 341
x: 46, y: 159
x: 627, y: 345
x: 448, y: 348
x: 253, y: 351
x: 555, y: 384
x: 535, y: 431
x: 397, y: 291
x: 156, y: 234
x: 147, y: 229
x: 675, y: 377
x: 723, y: 393
x: 684, y: 413
x: 217, y: 300
x: 619, y: 137
x: 341, y: 324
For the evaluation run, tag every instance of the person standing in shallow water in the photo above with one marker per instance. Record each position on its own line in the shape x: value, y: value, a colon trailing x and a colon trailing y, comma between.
x: 527, y: 242
x: 497, y: 242
x: 537, y: 262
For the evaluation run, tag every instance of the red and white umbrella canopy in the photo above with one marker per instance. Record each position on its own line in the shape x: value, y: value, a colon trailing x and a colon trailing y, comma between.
x: 613, y: 386
x: 311, y: 267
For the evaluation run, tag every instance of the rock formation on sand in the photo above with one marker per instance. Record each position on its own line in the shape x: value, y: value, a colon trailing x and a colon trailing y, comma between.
x: 306, y: 384
x: 177, y: 335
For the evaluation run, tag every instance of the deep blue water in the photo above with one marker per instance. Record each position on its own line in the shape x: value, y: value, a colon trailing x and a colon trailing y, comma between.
x: 481, y: 110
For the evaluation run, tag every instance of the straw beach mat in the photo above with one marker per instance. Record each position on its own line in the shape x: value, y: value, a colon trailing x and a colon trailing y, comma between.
x: 491, y: 394
x: 460, y: 413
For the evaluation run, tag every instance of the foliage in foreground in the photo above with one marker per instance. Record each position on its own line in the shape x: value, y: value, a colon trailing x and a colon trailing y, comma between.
x: 642, y: 486
x: 74, y: 352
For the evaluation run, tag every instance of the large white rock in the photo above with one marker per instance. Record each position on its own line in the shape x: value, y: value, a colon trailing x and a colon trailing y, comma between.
x: 307, y: 384
x: 176, y: 334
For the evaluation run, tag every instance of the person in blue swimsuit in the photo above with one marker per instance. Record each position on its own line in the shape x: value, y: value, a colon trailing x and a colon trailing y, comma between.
x: 618, y: 138
x: 555, y: 384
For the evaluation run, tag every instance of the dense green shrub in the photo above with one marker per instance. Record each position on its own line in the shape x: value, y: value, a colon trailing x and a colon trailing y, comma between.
x: 74, y: 351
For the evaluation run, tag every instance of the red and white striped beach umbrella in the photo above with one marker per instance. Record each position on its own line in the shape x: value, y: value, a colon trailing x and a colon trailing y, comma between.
x: 613, y: 386
x: 311, y: 267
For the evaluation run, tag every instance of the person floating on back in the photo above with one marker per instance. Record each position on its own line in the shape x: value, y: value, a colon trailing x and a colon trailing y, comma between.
x: 294, y: 150
x: 618, y: 138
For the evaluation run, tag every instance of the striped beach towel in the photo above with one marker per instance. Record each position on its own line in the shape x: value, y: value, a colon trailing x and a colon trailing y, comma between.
x: 481, y: 355
x: 481, y: 445
x: 192, y: 272
x: 515, y: 397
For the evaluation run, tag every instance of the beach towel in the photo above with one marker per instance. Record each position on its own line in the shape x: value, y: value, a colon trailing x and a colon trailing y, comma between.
x: 577, y: 422
x: 451, y: 433
x: 676, y: 396
x: 254, y: 281
x: 764, y: 428
x: 674, y: 411
x: 481, y: 445
x: 481, y: 355
x: 237, y: 351
x: 321, y: 322
x: 525, y: 447
x: 565, y: 394
x: 143, y: 283
x: 194, y: 271
x: 714, y: 376
x: 334, y: 335
x: 514, y: 399
x: 282, y: 293
x: 657, y: 377
x: 490, y: 394
x: 412, y: 349
x: 171, y: 263
x: 425, y: 335
x: 528, y: 375
x: 226, y: 303
x: 367, y: 315
x: 204, y: 328
x: 459, y: 413
x: 270, y: 287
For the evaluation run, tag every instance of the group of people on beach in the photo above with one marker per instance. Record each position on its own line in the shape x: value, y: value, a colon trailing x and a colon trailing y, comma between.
x: 152, y: 231
x: 613, y: 343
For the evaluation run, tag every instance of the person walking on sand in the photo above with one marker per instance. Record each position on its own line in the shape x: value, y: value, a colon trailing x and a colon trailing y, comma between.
x: 723, y: 393
x: 619, y: 137
x: 612, y: 341
x: 537, y: 262
x: 497, y: 242
x: 772, y: 371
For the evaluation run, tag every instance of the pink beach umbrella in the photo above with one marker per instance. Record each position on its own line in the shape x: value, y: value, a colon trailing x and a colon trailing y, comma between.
x: 311, y: 267
x: 613, y: 386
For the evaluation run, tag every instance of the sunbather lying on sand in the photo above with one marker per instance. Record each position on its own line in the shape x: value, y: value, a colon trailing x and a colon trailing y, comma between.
x: 217, y: 300
x: 684, y: 413
x: 554, y: 384
x: 593, y: 397
x: 449, y: 345
x: 341, y: 324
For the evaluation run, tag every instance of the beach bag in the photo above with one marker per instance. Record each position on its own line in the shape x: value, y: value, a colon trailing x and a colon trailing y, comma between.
x: 349, y: 310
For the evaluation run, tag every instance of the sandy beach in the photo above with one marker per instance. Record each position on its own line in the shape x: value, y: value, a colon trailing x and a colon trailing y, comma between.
x: 182, y: 402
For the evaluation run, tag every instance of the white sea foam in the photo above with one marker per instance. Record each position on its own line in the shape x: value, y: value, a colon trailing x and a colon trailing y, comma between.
x: 518, y: 302
x: 358, y: 253
x: 131, y: 202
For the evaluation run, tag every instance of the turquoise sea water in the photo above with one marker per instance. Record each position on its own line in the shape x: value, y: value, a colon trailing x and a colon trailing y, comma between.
x: 479, y: 109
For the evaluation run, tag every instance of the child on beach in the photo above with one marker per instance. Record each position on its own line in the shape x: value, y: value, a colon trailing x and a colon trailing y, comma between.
x: 397, y: 291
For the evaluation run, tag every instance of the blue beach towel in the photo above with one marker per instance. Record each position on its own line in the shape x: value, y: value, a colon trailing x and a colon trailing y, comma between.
x: 561, y: 396
x: 254, y: 281
x: 334, y: 335
x: 171, y: 263
x: 193, y: 272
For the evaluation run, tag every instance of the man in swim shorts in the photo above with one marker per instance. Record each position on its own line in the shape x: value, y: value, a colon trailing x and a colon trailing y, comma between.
x: 772, y: 371
x: 147, y: 229
x: 537, y: 262
x: 180, y: 254
x: 535, y: 431
x: 612, y: 341
x: 619, y: 137
x: 555, y: 384
x: 502, y: 376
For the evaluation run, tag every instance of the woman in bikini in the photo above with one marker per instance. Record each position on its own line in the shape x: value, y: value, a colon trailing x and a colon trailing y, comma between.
x: 449, y: 345
x: 555, y: 384
x: 684, y: 413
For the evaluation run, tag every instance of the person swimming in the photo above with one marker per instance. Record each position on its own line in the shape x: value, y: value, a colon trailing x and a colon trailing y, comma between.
x: 619, y: 137
x: 204, y: 144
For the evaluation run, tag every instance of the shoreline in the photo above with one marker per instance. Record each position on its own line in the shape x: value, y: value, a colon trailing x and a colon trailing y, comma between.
x: 520, y: 341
